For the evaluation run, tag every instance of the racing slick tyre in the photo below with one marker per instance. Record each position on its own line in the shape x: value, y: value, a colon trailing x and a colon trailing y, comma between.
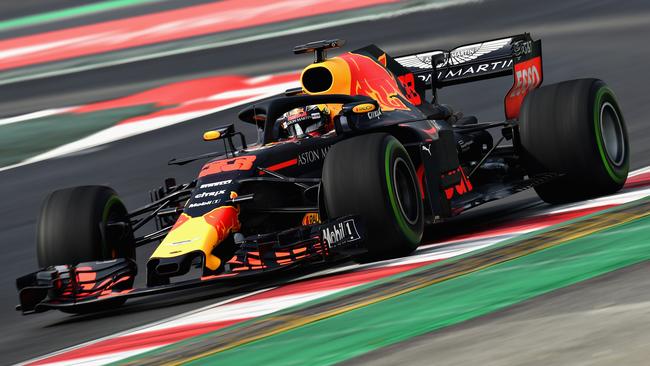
x: 73, y: 228
x: 372, y: 176
x: 574, y: 128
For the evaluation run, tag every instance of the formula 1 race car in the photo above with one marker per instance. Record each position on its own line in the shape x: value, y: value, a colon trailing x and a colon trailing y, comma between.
x: 353, y: 164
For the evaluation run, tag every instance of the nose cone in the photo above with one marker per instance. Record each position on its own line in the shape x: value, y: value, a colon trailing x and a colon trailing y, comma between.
x: 203, y: 233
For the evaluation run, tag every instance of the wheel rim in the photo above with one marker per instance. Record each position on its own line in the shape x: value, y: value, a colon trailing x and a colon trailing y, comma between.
x: 612, y: 134
x: 406, y: 191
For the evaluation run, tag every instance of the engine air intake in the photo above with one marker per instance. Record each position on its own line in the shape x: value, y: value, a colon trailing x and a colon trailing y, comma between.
x: 317, y: 79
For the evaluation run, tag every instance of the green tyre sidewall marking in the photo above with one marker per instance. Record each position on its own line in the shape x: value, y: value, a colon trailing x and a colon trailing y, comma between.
x: 390, y: 149
x: 603, y: 92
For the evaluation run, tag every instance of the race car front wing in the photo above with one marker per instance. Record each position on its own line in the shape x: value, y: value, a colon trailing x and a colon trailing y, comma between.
x: 76, y: 286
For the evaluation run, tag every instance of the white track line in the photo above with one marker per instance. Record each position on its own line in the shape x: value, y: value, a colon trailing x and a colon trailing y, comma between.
x: 639, y: 171
x: 34, y: 115
x: 616, y: 199
x: 243, y: 310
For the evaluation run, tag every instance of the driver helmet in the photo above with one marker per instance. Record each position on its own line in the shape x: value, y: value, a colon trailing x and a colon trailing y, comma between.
x: 311, y: 120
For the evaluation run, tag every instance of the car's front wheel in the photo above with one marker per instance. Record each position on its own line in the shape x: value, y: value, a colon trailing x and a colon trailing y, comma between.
x: 372, y: 176
x: 83, y: 224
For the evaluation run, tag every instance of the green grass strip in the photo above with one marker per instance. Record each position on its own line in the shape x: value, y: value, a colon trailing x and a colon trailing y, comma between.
x: 55, y: 15
x: 384, y: 323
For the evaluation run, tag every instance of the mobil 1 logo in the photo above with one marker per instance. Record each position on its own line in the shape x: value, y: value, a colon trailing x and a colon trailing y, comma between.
x: 340, y: 233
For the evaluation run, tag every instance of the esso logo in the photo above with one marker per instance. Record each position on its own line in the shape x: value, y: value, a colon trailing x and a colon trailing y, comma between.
x: 525, y: 80
x: 527, y: 76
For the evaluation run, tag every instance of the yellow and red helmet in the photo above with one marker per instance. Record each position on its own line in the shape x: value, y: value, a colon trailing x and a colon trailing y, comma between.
x: 305, y: 121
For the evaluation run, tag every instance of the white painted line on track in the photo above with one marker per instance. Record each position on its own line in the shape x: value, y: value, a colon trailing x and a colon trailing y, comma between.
x: 245, y: 310
x: 616, y: 199
x: 34, y: 115
x: 425, y: 253
x: 639, y: 171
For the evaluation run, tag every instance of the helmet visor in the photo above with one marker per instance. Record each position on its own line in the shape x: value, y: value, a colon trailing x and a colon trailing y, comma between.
x: 301, y: 121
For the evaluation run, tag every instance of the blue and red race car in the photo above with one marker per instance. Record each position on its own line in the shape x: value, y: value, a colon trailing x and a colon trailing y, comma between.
x: 353, y: 164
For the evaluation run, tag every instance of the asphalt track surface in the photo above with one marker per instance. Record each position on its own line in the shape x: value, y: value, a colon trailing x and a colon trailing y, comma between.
x: 589, y: 38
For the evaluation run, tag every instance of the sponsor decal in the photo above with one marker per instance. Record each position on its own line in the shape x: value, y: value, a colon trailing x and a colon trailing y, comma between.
x: 427, y: 148
x: 302, y: 115
x: 422, y: 61
x: 521, y: 48
x: 311, y: 156
x: 458, y: 56
x: 216, y: 184
x: 374, y: 114
x: 210, y: 194
x: 228, y: 165
x: 468, y: 71
x: 362, y: 108
x: 475, y: 51
x: 408, y: 82
x: 341, y: 233
x: 204, y: 203
x: 528, y: 76
x: 461, y: 188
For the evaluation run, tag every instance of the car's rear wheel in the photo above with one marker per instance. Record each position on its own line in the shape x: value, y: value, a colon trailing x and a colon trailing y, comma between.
x: 82, y: 224
x: 575, y: 128
x: 372, y: 176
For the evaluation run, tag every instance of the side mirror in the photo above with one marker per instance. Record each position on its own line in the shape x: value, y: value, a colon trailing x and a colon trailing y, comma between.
x: 211, y: 135
x: 226, y: 133
x: 219, y: 132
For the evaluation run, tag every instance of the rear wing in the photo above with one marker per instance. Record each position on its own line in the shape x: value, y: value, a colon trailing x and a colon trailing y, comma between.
x: 517, y: 55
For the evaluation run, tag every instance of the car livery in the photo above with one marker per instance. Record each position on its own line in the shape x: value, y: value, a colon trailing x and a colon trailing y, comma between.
x: 391, y: 160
